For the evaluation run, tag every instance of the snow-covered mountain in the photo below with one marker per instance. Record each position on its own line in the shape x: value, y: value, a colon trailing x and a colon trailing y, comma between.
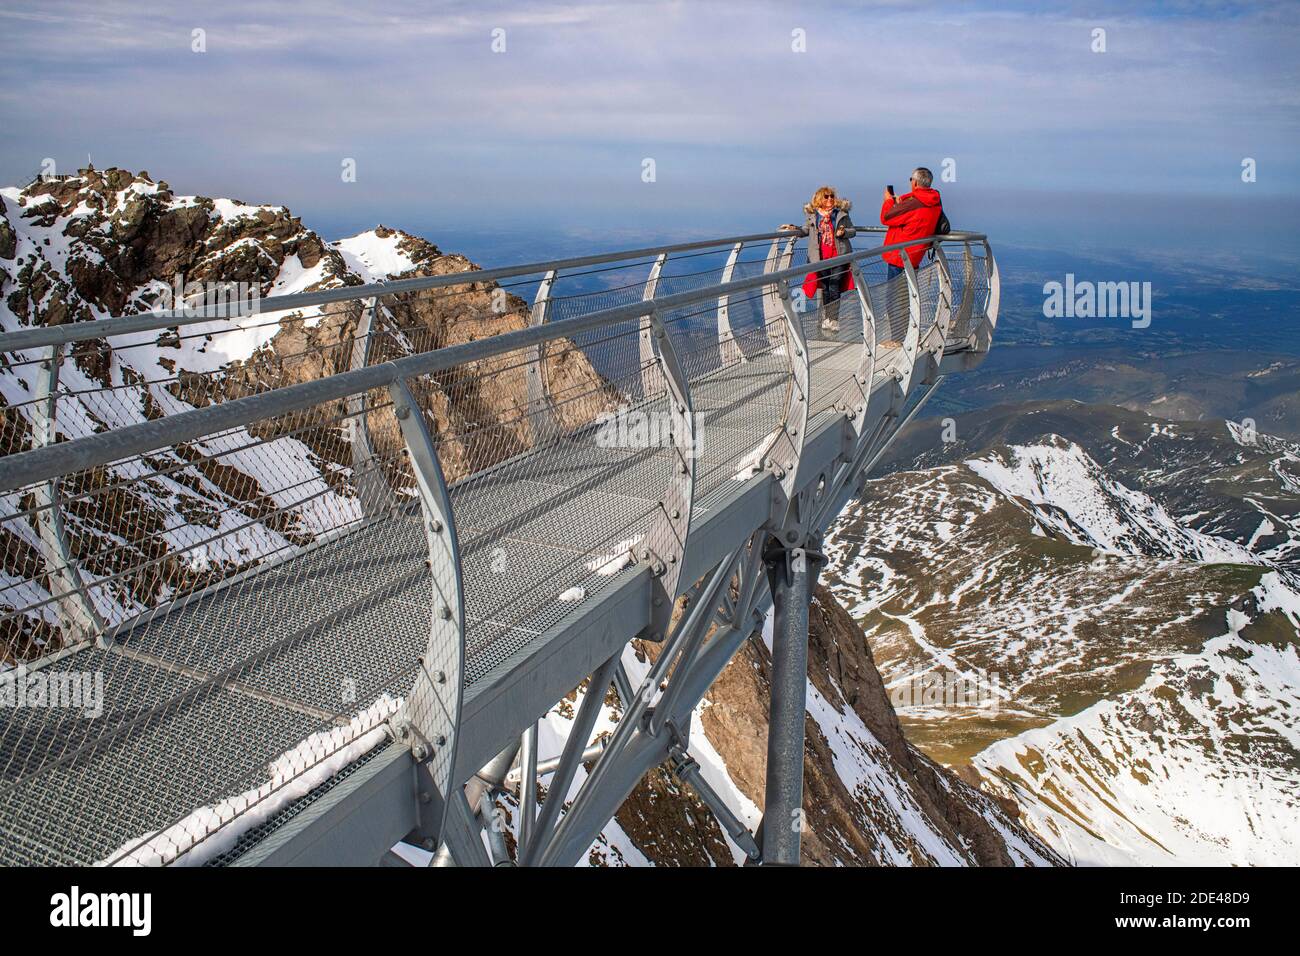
x: 1197, y: 765
x: 107, y: 243
x: 1131, y: 583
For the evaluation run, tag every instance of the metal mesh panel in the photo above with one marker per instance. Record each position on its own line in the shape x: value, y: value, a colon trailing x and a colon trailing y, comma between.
x: 739, y: 394
x: 967, y: 266
x: 927, y: 283
x: 249, y: 603
x: 540, y: 494
x: 103, y: 384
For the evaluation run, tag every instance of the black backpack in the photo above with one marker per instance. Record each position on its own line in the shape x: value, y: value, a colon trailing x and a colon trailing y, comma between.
x: 941, y: 228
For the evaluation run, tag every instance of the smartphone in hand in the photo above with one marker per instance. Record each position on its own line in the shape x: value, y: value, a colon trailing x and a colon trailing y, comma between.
x: 890, y: 190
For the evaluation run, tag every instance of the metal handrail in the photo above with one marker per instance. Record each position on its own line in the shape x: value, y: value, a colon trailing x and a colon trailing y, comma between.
x: 51, y: 461
x: 153, y: 321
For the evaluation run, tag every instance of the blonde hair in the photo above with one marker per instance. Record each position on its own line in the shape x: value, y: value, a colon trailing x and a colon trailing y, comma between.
x: 822, y: 192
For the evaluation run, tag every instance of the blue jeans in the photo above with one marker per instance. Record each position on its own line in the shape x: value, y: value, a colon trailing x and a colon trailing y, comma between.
x: 893, y: 271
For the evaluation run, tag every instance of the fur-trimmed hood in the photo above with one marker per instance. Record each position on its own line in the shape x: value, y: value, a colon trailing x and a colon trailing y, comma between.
x: 841, y: 205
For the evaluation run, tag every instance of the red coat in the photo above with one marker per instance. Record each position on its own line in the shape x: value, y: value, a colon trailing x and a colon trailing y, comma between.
x: 812, y: 284
x: 914, y: 216
x: 839, y: 219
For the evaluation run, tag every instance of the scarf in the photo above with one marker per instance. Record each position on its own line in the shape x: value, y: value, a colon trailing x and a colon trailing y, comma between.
x: 826, y: 230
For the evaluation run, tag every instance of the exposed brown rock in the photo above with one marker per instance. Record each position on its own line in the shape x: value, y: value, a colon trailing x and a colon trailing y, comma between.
x: 843, y: 828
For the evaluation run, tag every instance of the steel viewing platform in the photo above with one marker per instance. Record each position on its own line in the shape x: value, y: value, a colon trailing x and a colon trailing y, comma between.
x: 328, y: 615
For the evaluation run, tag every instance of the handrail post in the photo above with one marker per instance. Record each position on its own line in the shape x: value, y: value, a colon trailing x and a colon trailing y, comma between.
x: 991, y: 303
x: 729, y: 349
x: 76, y: 609
x: 777, y: 259
x: 942, y: 311
x: 432, y: 713
x: 649, y: 355
x: 786, y: 448
x: 912, y: 342
x: 372, y: 489
x: 666, y: 542
x: 781, y: 452
x: 857, y: 394
x: 541, y: 410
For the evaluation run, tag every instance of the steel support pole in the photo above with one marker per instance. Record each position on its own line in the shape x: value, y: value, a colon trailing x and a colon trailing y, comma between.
x: 783, y: 797
x: 527, y: 784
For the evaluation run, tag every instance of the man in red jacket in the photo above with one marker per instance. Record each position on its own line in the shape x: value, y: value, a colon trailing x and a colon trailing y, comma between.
x: 913, y: 216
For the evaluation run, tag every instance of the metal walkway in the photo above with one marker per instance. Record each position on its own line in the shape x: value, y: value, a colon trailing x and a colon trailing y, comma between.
x: 326, y: 617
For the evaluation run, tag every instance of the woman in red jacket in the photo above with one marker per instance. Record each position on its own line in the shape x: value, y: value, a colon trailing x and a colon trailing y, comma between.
x: 913, y: 216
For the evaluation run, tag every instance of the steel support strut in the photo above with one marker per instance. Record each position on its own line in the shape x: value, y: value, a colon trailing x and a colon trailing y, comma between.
x: 372, y: 490
x: 647, y: 735
x: 791, y: 573
x: 548, y: 823
x: 527, y: 784
x: 541, y: 409
x: 729, y: 349
x: 431, y: 716
x: 76, y: 608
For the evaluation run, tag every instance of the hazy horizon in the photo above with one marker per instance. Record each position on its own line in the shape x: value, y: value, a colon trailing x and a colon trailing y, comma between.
x: 460, y: 117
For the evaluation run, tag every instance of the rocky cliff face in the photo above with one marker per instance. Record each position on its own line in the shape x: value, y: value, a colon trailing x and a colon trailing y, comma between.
x: 871, y: 798
x: 110, y: 243
x: 107, y: 243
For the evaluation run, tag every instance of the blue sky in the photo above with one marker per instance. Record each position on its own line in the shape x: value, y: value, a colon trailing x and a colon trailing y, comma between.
x: 447, y: 134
